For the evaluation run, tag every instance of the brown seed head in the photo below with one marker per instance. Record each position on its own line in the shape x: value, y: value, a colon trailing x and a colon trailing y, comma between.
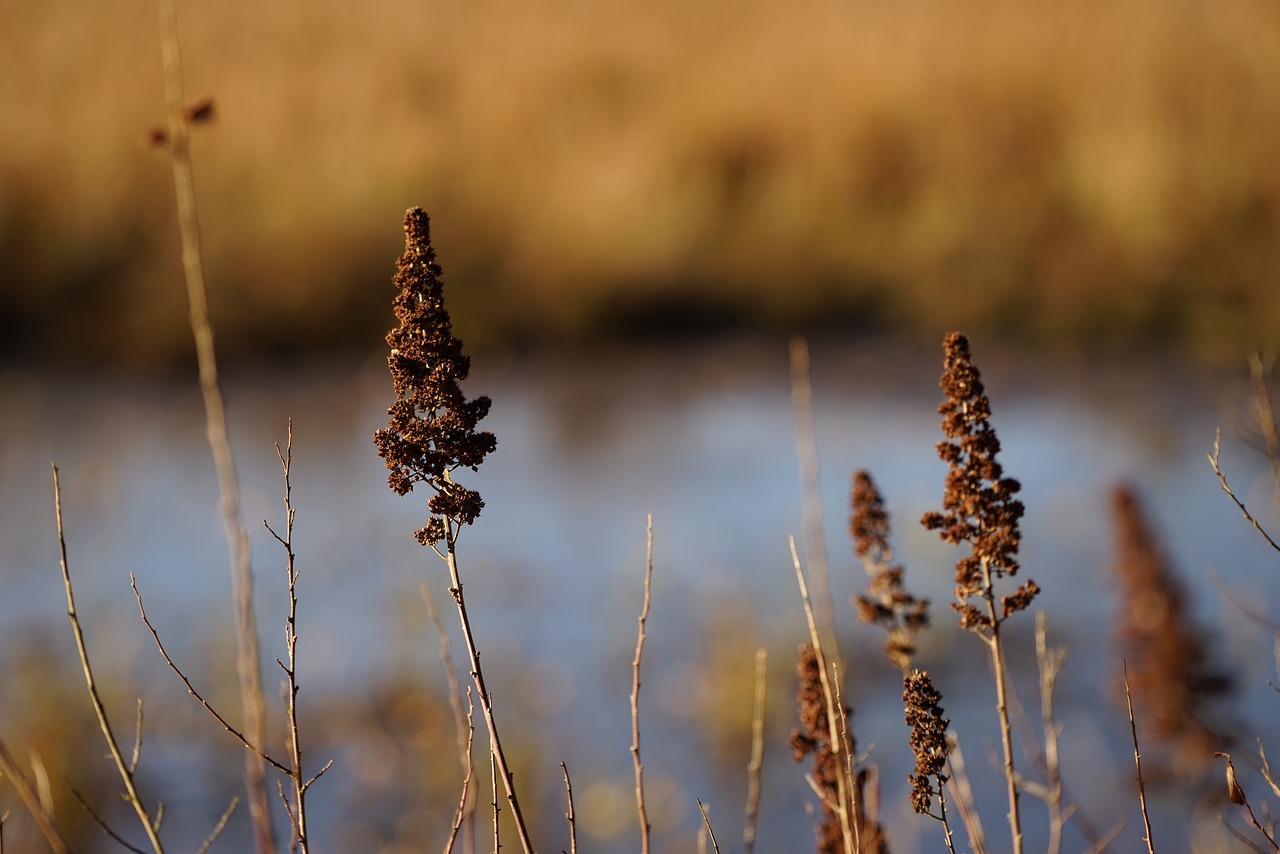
x: 432, y: 428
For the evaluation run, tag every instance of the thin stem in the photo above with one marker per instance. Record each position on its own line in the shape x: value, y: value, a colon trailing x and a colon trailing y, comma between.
x: 845, y: 787
x: 463, y: 719
x: 1137, y: 761
x: 1050, y: 663
x: 715, y: 846
x: 1226, y: 487
x: 219, y: 827
x: 757, y: 752
x: 465, y: 805
x: 486, y: 700
x: 164, y: 653
x: 1002, y: 705
x: 964, y: 799
x: 122, y: 767
x: 568, y: 794
x: 635, y: 693
x: 247, y: 659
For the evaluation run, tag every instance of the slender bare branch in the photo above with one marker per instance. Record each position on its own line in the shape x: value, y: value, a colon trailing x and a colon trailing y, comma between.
x: 219, y: 827
x: 239, y: 736
x: 569, y: 817
x: 100, y: 821
x: 122, y: 767
x: 707, y: 821
x: 463, y: 719
x: 465, y: 802
x: 962, y: 797
x: 1137, y: 761
x: 635, y: 694
x: 1226, y: 487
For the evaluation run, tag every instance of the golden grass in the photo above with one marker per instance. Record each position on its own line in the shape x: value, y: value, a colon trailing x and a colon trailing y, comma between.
x: 1083, y: 171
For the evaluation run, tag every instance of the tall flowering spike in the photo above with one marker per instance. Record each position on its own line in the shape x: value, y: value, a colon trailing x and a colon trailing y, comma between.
x: 432, y: 427
x: 978, y: 504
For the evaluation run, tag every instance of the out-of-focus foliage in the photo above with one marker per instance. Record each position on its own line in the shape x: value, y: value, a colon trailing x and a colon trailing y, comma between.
x: 1085, y: 173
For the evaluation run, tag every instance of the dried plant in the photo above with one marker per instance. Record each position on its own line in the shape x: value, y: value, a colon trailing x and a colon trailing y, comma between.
x: 431, y: 433
x: 929, y: 745
x: 979, y: 508
x: 888, y: 604
x: 1169, y: 672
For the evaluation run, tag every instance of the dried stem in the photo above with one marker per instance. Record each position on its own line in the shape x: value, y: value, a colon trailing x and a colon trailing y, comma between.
x: 568, y: 795
x: 247, y: 659
x: 962, y: 795
x: 706, y: 820
x: 486, y: 699
x: 122, y: 767
x: 846, y: 787
x: 1137, y: 761
x: 635, y: 692
x: 1050, y: 662
x: 757, y: 752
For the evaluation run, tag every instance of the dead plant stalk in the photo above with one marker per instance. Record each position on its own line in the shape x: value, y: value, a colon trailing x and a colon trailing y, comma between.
x: 250, y: 674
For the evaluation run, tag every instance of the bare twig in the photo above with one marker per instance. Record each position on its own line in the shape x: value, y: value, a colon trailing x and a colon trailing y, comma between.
x: 254, y: 706
x: 568, y: 794
x: 849, y: 828
x: 239, y: 736
x: 18, y: 780
x: 635, y: 693
x: 757, y: 752
x: 465, y: 802
x: 122, y: 767
x: 298, y: 812
x: 100, y: 821
x: 1226, y: 487
x: 1137, y: 761
x: 707, y: 821
x: 219, y: 827
x: 493, y: 773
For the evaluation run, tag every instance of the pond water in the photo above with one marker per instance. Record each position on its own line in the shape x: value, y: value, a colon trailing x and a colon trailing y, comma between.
x: 704, y: 440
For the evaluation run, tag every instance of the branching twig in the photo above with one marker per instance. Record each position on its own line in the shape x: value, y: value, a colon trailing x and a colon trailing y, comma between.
x: 635, y: 693
x: 1236, y: 795
x: 1050, y: 663
x: 100, y: 821
x: 122, y: 767
x: 298, y: 812
x: 1137, y: 761
x: 239, y: 736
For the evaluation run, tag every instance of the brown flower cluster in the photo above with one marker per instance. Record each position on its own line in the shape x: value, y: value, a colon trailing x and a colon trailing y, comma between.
x: 888, y: 603
x: 978, y: 504
x: 432, y: 428
x: 1170, y: 677
x: 928, y: 739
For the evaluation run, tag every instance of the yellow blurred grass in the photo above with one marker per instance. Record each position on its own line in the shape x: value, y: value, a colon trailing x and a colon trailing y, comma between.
x: 1081, y: 171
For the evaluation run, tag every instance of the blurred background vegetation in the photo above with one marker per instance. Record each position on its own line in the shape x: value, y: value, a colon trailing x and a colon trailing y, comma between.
x: 1081, y: 175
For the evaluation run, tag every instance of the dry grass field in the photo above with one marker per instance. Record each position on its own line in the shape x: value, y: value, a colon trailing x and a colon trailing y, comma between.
x: 1079, y: 174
